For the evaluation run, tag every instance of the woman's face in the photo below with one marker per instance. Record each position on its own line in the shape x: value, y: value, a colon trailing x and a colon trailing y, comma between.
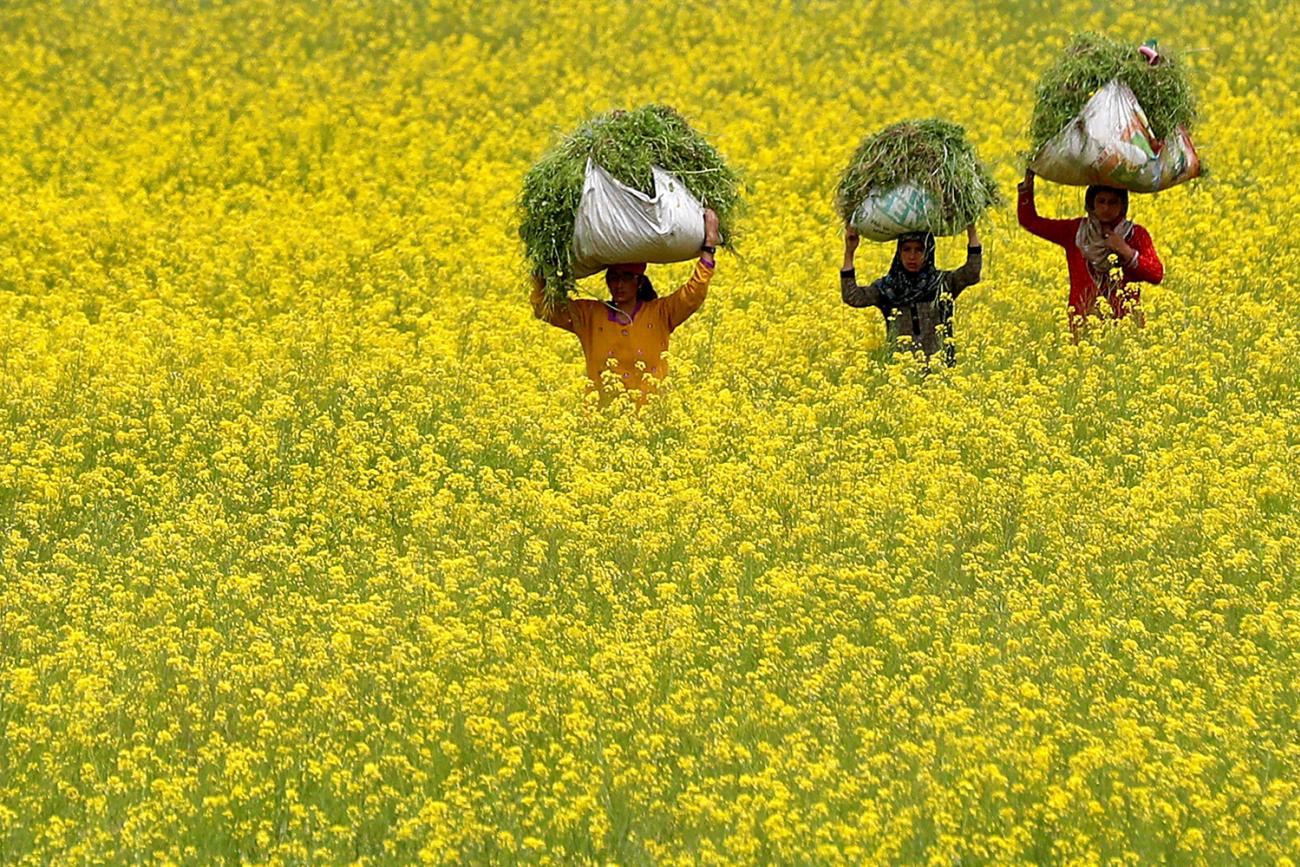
x: 622, y: 286
x: 912, y: 254
x: 1108, y: 207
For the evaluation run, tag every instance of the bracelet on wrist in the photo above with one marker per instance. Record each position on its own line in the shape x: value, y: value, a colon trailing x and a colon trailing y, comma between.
x: 708, y: 248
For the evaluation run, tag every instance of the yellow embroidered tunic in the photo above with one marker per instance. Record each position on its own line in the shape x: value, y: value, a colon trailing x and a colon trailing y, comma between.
x: 631, y: 347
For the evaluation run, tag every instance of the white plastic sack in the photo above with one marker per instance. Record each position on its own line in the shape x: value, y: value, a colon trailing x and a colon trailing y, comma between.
x: 616, y: 223
x: 1110, y: 143
x: 885, y: 215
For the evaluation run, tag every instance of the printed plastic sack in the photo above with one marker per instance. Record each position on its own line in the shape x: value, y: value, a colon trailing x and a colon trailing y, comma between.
x: 1110, y: 143
x: 616, y: 223
x: 885, y: 215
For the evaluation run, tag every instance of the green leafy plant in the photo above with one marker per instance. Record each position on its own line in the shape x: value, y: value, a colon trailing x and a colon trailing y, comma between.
x: 1089, y: 62
x: 931, y: 153
x: 626, y: 144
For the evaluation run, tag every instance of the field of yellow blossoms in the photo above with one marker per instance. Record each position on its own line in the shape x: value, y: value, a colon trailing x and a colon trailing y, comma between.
x: 311, y: 551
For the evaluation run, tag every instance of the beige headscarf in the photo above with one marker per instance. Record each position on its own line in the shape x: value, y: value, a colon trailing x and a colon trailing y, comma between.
x: 1101, y: 259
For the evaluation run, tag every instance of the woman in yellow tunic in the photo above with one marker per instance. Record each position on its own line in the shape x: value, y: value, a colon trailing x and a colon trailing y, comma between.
x: 628, y: 334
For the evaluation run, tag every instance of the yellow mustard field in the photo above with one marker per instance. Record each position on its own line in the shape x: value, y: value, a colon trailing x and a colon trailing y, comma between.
x: 313, y: 551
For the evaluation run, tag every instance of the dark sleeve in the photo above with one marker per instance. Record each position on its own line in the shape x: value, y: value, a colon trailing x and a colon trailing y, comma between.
x: 968, y: 274
x: 858, y: 296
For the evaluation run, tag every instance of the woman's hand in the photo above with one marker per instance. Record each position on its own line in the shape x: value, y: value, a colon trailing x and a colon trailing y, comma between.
x: 972, y: 239
x: 1117, y: 243
x: 539, y: 282
x: 1027, y: 185
x: 711, y: 236
x: 851, y: 241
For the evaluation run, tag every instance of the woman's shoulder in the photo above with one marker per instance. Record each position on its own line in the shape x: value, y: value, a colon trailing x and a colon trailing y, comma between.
x: 1139, y: 237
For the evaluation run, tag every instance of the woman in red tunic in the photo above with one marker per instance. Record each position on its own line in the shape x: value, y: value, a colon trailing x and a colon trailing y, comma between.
x: 1107, y: 253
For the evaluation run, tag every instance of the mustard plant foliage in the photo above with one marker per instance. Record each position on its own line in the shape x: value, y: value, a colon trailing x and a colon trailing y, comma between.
x: 312, y: 551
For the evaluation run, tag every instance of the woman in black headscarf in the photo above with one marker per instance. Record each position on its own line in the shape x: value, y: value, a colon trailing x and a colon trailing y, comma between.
x: 915, y: 297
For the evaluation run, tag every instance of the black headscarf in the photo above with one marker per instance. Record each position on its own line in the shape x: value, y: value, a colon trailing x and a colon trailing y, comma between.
x: 645, y: 290
x: 901, y: 287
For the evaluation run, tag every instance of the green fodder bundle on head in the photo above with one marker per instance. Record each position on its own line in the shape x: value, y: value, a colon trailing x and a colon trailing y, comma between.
x: 933, y: 154
x: 1091, y: 61
x: 626, y: 144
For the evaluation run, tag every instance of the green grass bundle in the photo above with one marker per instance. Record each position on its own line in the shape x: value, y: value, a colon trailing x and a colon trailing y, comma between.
x: 1088, y: 63
x: 932, y: 154
x: 626, y: 144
